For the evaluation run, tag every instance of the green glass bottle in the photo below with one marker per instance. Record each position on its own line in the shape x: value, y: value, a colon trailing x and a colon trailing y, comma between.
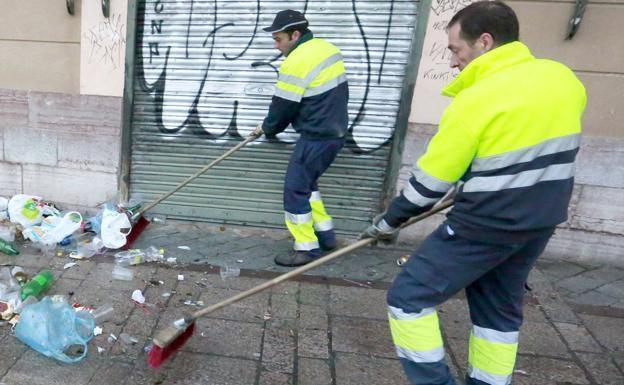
x: 8, y: 248
x: 37, y: 285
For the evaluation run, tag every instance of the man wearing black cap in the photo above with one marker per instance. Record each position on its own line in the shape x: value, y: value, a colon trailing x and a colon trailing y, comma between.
x: 312, y: 95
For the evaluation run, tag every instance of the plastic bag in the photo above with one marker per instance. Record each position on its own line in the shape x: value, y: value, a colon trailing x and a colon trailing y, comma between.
x: 54, y: 228
x: 115, y: 228
x: 53, y: 328
x: 23, y: 209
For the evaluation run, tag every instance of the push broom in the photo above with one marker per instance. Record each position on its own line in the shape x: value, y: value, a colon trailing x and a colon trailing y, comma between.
x: 140, y: 223
x: 173, y: 337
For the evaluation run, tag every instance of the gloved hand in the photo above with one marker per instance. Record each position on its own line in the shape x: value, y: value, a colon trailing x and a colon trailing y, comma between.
x: 379, y: 230
x: 258, y: 131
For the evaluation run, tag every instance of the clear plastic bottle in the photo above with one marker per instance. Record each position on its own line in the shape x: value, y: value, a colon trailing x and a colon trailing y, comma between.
x: 130, y: 257
x: 154, y: 254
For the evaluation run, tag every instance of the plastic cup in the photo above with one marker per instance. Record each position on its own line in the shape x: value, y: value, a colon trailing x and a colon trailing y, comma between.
x: 103, y: 313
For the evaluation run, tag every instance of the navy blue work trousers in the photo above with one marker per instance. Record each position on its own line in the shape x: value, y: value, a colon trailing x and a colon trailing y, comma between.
x: 493, y: 276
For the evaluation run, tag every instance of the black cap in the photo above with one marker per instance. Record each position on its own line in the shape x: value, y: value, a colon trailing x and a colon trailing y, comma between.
x: 285, y: 20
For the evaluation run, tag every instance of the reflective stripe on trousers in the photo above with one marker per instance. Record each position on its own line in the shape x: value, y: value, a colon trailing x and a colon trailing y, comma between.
x: 492, y: 355
x: 322, y: 220
x: 303, y: 226
x: 416, y: 336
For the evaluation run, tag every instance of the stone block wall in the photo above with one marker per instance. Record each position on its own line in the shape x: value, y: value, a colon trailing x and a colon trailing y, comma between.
x: 62, y: 147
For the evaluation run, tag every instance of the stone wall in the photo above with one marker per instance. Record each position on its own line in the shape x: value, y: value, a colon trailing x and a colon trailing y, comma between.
x: 64, y: 148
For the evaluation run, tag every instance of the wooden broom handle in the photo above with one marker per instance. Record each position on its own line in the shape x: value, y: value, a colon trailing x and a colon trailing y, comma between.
x: 250, y: 138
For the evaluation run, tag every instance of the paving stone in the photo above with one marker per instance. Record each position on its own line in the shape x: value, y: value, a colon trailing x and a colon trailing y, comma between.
x: 602, y: 368
x: 591, y: 279
x: 354, y: 369
x: 226, y: 338
x: 358, y: 302
x: 550, y: 301
x: 533, y: 312
x: 112, y: 372
x: 80, y: 271
x: 559, y: 269
x: 108, y: 328
x: 284, y: 306
x: 252, y: 309
x: 64, y: 286
x: 618, y: 358
x: 95, y: 296
x: 593, y: 298
x: 312, y: 317
x: 278, y: 348
x: 275, y: 378
x: 34, y: 368
x: 101, y: 277
x: 541, y: 339
x: 313, y: 294
x: 531, y: 370
x: 608, y: 331
x: 459, y: 348
x: 141, y: 323
x: 357, y: 335
x: 454, y: 318
x: 234, y: 283
x: 130, y: 352
x: 578, y: 338
x: 314, y: 372
x: 12, y: 349
x: 288, y: 288
x: 193, y: 369
x: 313, y: 343
x: 613, y: 289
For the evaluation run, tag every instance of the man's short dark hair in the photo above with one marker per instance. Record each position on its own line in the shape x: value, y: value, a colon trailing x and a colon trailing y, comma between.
x: 303, y: 29
x: 493, y: 17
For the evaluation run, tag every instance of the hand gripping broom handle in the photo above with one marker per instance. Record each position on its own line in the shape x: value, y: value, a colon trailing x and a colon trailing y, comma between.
x: 356, y: 245
x: 250, y: 138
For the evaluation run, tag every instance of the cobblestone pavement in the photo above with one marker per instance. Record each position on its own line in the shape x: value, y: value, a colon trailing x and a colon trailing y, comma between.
x: 328, y: 327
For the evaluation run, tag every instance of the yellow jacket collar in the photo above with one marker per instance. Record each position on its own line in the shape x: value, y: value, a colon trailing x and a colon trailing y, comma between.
x: 487, y: 64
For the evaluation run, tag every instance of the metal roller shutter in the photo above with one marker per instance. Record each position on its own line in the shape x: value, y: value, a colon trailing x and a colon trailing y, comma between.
x: 204, y: 77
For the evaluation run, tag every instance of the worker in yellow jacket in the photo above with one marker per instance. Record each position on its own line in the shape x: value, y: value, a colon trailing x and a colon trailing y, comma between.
x: 312, y: 94
x: 508, y: 142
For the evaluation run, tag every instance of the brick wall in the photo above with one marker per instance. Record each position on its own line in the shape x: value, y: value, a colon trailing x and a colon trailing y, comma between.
x: 64, y: 148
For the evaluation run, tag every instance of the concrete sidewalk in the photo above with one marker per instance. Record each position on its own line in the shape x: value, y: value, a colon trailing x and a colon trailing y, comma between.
x: 329, y: 327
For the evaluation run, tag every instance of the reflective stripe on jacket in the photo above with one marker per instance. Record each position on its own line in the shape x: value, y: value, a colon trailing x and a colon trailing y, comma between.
x: 311, y: 92
x: 511, y: 135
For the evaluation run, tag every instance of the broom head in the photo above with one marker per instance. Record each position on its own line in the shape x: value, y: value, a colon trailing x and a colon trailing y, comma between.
x: 163, y: 346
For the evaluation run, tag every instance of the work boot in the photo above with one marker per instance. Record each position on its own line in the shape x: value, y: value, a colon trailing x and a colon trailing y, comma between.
x: 326, y: 239
x: 298, y: 258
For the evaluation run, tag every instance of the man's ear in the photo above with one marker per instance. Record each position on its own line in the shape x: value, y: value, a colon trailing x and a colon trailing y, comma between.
x: 487, y: 41
x: 296, y: 35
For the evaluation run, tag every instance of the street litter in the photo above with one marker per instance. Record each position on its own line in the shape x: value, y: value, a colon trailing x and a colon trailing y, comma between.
x: 68, y: 265
x: 166, y: 295
x: 53, y: 328
x: 138, y: 297
x: 227, y: 272
x: 184, y: 248
x: 138, y: 256
x: 172, y: 260
x: 97, y: 331
x: 103, y: 313
x: 100, y: 350
x: 122, y: 274
x: 180, y: 277
x: 128, y: 339
x: 191, y: 302
x: 112, y: 338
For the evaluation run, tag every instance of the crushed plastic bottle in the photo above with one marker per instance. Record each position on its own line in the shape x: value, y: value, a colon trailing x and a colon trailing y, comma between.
x: 228, y: 272
x: 122, y: 274
x: 8, y: 248
x: 129, y: 257
x: 137, y: 256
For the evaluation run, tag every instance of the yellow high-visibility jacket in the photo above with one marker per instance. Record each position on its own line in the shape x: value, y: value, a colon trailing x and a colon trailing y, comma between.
x: 311, y: 92
x: 511, y: 136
